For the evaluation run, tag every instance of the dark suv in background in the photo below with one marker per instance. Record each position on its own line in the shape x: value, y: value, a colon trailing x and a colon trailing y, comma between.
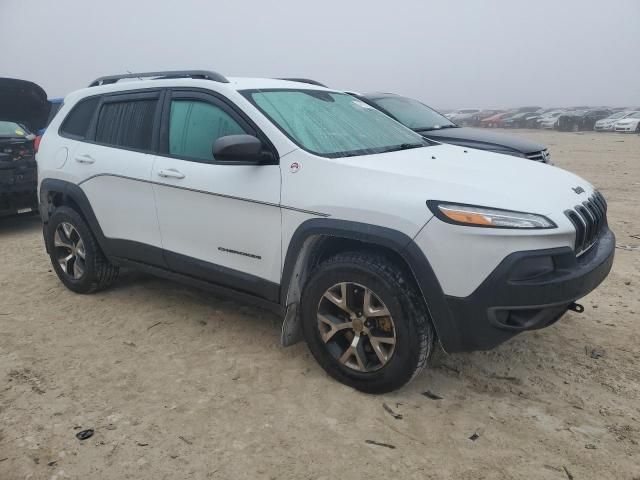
x: 435, y: 126
x: 579, y: 120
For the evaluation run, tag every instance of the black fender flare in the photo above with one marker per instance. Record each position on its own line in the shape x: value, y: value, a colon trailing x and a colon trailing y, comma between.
x: 400, y: 243
x: 75, y: 193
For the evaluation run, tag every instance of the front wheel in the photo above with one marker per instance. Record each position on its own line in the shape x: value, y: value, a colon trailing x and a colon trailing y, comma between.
x: 365, y: 322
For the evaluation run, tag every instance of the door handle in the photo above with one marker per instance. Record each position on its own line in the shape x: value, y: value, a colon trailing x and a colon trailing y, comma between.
x: 87, y: 159
x: 171, y: 173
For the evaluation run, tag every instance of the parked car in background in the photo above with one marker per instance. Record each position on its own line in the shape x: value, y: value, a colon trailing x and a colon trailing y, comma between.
x: 550, y: 122
x: 519, y: 120
x: 495, y: 120
x: 579, y: 120
x: 630, y: 123
x: 23, y: 110
x: 464, y: 115
x: 434, y: 126
x: 482, y: 115
x: 607, y: 124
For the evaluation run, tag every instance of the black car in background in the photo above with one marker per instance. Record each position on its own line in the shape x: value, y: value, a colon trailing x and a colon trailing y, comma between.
x: 24, y: 109
x: 578, y: 120
x: 434, y: 126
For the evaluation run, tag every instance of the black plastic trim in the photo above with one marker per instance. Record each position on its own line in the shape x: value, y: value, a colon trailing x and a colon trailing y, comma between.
x: 384, y: 237
x: 544, y: 298
x: 204, y: 285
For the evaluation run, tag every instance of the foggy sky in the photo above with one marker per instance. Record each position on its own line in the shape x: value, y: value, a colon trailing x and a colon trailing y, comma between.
x: 449, y: 54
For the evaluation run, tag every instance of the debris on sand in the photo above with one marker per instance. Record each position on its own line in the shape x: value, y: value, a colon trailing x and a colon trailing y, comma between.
x: 474, y: 437
x: 380, y: 444
x: 431, y: 395
x: 84, y: 434
x: 188, y: 442
x: 597, y: 352
x: 395, y: 415
x: 567, y: 472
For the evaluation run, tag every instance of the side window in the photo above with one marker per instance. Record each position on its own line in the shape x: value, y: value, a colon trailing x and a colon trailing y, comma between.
x: 127, y: 124
x: 195, y: 125
x: 77, y: 122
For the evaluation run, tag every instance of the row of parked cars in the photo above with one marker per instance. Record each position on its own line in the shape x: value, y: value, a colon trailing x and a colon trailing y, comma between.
x: 625, y: 120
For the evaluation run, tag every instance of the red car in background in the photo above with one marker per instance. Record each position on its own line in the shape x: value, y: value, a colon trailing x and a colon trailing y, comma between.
x: 495, y: 120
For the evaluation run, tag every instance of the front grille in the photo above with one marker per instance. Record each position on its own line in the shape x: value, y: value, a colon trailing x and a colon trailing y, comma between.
x: 588, y: 218
x: 541, y: 156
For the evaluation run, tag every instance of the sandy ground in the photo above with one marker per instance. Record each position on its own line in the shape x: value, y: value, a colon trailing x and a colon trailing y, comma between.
x: 179, y: 384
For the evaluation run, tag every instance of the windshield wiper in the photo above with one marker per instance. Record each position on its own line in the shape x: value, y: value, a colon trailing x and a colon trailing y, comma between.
x: 403, y: 146
x: 439, y: 127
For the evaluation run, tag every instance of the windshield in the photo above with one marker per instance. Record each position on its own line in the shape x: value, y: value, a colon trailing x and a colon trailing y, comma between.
x: 412, y: 113
x: 11, y: 129
x: 332, y: 124
x: 634, y: 115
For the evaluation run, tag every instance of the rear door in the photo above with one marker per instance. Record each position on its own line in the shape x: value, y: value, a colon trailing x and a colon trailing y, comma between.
x: 219, y: 221
x: 114, y: 166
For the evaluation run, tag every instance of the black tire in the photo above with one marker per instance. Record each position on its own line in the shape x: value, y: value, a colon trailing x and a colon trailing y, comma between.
x: 414, y: 332
x: 98, y: 272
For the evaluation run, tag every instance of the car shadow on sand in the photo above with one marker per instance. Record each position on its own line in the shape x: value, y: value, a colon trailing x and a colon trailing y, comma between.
x: 17, y: 224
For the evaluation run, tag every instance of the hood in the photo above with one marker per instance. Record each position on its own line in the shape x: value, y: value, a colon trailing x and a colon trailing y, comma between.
x: 483, y: 140
x: 23, y: 102
x: 447, y: 173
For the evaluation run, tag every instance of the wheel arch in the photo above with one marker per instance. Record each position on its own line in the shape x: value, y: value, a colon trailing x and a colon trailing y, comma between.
x: 55, y: 193
x: 319, y: 238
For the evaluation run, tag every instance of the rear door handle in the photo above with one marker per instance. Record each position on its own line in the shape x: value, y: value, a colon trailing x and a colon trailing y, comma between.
x: 88, y: 159
x: 171, y: 173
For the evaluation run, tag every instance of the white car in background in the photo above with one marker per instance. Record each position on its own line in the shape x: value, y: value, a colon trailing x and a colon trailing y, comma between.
x: 628, y: 124
x: 550, y: 121
x: 463, y: 115
x: 607, y: 124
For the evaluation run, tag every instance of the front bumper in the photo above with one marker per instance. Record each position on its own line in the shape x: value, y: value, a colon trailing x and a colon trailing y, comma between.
x: 527, y: 291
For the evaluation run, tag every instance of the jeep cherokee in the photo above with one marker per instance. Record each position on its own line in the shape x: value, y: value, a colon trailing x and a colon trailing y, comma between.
x: 371, y: 241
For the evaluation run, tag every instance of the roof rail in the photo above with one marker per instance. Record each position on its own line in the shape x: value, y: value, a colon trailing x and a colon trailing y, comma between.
x: 201, y: 74
x: 305, y: 80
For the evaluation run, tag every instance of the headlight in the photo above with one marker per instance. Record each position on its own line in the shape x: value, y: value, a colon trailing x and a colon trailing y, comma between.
x: 475, y: 216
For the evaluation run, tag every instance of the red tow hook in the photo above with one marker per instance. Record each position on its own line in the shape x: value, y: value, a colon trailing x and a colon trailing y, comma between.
x: 576, y: 307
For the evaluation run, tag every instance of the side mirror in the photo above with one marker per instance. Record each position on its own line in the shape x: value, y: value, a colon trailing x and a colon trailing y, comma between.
x: 239, y: 148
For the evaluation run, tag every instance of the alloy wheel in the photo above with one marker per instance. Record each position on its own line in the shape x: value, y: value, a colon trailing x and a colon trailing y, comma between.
x: 69, y: 250
x: 356, y: 327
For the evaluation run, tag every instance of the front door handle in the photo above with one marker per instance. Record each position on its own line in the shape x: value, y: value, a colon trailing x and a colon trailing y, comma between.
x: 171, y: 173
x: 87, y: 159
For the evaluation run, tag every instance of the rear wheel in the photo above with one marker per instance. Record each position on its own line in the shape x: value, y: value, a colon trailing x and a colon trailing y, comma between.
x: 75, y: 254
x: 365, y: 322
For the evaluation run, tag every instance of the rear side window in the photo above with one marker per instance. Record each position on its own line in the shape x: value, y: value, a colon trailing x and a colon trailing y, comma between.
x: 127, y: 124
x: 77, y: 122
x: 194, y: 126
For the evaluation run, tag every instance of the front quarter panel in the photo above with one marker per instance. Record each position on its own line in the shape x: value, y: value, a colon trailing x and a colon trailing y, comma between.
x: 462, y: 257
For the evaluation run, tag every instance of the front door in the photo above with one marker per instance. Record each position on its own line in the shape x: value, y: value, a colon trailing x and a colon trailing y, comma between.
x: 218, y: 221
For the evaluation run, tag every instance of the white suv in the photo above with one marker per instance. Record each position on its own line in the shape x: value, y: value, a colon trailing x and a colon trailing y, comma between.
x: 372, y: 242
